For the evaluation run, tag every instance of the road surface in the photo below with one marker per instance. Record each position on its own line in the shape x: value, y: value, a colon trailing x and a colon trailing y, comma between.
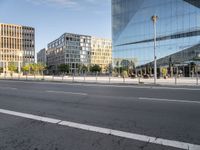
x: 64, y: 116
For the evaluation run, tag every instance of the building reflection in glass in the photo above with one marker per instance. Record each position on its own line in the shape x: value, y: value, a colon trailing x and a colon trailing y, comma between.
x: 178, y: 34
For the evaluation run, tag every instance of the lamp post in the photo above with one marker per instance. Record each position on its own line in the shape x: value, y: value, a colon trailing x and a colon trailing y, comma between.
x: 154, y: 18
x: 19, y: 62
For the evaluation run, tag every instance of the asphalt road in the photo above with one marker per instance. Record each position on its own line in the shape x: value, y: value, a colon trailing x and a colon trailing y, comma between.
x: 162, y: 112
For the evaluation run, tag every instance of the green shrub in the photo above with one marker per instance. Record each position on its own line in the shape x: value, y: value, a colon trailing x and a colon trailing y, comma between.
x: 124, y: 74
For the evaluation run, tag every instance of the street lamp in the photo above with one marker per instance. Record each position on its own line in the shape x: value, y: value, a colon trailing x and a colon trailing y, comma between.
x: 154, y: 18
x: 19, y: 62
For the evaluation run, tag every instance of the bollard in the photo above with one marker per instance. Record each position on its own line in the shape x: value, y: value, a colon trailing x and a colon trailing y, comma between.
x: 73, y: 78
x: 123, y: 79
x: 96, y: 77
x: 175, y: 79
x: 18, y: 76
x: 26, y: 77
x: 52, y: 77
x: 62, y: 77
x: 84, y: 77
x: 109, y: 78
x: 139, y: 79
x: 197, y: 79
x: 43, y: 77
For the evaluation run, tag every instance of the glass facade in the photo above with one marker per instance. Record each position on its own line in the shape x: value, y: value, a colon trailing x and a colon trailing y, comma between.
x: 178, y: 29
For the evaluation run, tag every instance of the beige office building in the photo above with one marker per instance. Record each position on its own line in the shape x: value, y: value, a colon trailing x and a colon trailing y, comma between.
x: 101, y: 52
x: 17, y: 45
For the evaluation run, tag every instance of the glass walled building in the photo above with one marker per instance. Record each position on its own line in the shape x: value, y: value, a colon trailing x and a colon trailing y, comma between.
x: 101, y: 53
x: 178, y: 31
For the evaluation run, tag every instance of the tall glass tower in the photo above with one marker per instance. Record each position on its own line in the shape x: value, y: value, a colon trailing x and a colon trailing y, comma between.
x: 178, y: 31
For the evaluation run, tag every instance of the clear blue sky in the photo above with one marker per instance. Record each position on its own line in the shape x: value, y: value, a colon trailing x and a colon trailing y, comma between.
x: 51, y: 18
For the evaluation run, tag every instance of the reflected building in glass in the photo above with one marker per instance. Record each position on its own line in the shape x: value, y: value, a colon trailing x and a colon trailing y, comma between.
x: 178, y: 34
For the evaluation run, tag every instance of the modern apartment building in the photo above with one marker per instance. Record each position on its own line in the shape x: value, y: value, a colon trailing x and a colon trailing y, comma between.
x: 72, y: 49
x: 178, y: 32
x: 17, y: 45
x: 41, y: 56
x: 101, y: 53
x: 77, y: 50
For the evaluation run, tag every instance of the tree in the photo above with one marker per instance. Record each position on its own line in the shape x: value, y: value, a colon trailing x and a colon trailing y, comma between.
x: 26, y: 68
x: 41, y: 68
x: 82, y: 68
x: 109, y: 68
x: 124, y: 74
x: 95, y: 68
x: 34, y: 68
x: 131, y: 67
x: 193, y: 66
x: 164, y: 72
x: 125, y: 64
x: 12, y: 68
x: 1, y: 69
x: 63, y: 68
x: 128, y: 65
x: 117, y: 68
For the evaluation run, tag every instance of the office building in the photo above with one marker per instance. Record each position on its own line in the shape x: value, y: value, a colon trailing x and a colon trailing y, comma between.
x: 78, y: 50
x: 41, y: 56
x: 101, y: 53
x: 17, y: 45
x: 178, y: 33
x: 71, y: 49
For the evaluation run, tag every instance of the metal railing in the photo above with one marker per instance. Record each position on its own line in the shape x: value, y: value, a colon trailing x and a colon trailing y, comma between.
x: 193, y: 81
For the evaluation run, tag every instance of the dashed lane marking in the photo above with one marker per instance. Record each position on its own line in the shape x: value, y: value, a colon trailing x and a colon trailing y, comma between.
x: 8, y: 88
x: 168, y: 100
x: 63, y: 92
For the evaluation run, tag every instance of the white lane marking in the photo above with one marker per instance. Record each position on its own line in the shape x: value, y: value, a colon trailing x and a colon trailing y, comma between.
x: 168, y: 100
x: 63, y: 92
x: 29, y: 116
x: 177, y: 88
x: 133, y: 136
x: 8, y: 88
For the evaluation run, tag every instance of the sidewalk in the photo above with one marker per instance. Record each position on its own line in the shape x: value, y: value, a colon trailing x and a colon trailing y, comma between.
x: 108, y: 80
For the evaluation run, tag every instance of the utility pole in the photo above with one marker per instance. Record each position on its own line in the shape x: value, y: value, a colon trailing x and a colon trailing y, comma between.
x: 154, y: 19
